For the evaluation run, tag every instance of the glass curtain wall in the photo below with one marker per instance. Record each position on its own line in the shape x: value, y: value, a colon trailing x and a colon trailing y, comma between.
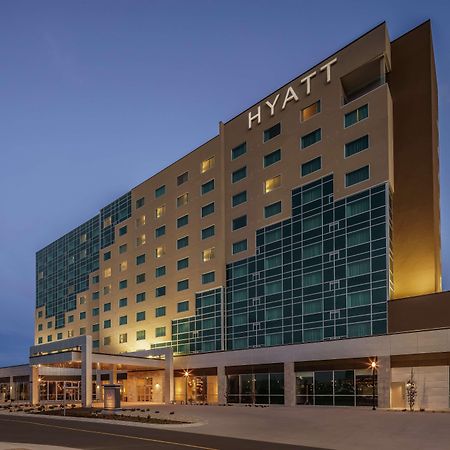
x: 256, y: 388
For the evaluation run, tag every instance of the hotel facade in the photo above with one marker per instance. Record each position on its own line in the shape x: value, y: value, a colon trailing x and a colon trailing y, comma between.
x: 272, y: 264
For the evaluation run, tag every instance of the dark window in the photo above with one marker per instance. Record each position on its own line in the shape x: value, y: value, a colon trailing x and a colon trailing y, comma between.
x: 272, y: 158
x: 123, y: 302
x: 182, y: 178
x: 311, y: 166
x: 239, y: 198
x: 271, y: 210
x: 182, y: 221
x: 207, y: 187
x: 356, y: 146
x: 160, y: 231
x: 356, y: 115
x: 140, y: 278
x: 239, y: 150
x: 271, y: 132
x: 140, y: 202
x: 240, y: 246
x: 239, y: 174
x: 207, y: 209
x: 160, y: 291
x: 160, y: 271
x: 311, y: 138
x: 357, y: 176
x: 140, y: 297
x: 183, y: 242
x: 208, y: 277
x: 182, y: 285
x: 123, y: 230
x: 140, y: 260
x: 140, y: 316
x: 239, y: 222
x: 208, y: 232
x: 182, y: 263
x: 183, y: 306
x: 159, y: 192
x: 106, y: 256
x: 160, y: 311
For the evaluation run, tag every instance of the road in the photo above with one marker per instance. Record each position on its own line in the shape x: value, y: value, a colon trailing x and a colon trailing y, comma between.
x: 98, y: 436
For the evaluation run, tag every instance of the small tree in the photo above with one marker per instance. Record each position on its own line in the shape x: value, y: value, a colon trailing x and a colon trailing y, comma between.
x: 411, y: 391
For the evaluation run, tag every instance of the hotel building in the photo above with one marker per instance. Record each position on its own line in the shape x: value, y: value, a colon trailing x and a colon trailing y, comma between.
x: 273, y: 263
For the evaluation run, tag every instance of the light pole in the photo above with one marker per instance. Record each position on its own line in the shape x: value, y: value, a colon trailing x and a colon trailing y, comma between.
x: 186, y: 376
x: 373, y: 366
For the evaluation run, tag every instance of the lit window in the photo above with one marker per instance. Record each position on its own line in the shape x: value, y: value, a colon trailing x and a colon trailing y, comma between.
x: 182, y: 200
x: 123, y: 266
x: 70, y: 333
x: 141, y: 240
x: 123, y: 338
x: 310, y: 111
x: 107, y: 221
x: 272, y: 184
x: 207, y: 164
x: 82, y: 300
x: 140, y: 221
x: 160, y: 211
x: 208, y: 254
x: 83, y: 238
x: 107, y: 272
x: 159, y: 252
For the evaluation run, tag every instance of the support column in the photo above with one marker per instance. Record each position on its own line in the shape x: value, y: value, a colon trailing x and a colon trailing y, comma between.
x: 86, y: 372
x: 113, y: 375
x: 11, y: 389
x: 289, y: 384
x: 221, y: 386
x: 168, y: 388
x: 384, y: 381
x: 34, y: 391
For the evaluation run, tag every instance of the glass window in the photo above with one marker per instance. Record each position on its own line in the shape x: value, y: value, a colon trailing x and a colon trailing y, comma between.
x: 182, y: 221
x: 357, y: 176
x: 309, y: 251
x: 272, y: 132
x: 123, y: 284
x: 359, y: 329
x: 140, y: 202
x: 240, y: 246
x: 207, y: 164
x: 274, y: 313
x: 310, y: 111
x: 312, y: 222
x: 183, y: 200
x: 107, y: 323
x: 239, y: 222
x: 106, y: 256
x: 160, y: 252
x: 123, y: 320
x: 182, y: 263
x: 140, y: 335
x: 140, y: 316
x: 208, y: 254
x: 208, y: 277
x: 357, y: 207
x: 183, y: 306
x: 122, y: 248
x: 239, y: 198
x: 358, y: 299
x: 311, y: 166
x: 311, y: 194
x: 107, y: 222
x: 82, y: 315
x: 182, y: 285
x: 95, y: 327
x: 183, y: 178
x: 272, y: 158
x: 182, y: 242
x: 107, y: 272
x: 239, y: 150
x: 160, y: 211
x: 272, y: 210
x: 358, y: 268
x: 208, y: 232
x: 123, y: 338
x: 207, y: 209
x: 272, y: 236
x: 207, y: 187
x: 107, y: 307
x: 272, y: 261
x: 160, y: 271
x: 311, y: 138
x: 311, y: 279
x: 123, y: 302
x: 313, y: 307
x: 358, y: 237
x: 272, y: 184
x: 140, y: 221
x: 356, y: 115
x: 159, y: 192
x: 160, y: 291
x: 160, y: 331
x: 140, y: 259
x: 160, y: 311
x: 140, y: 297
x: 123, y: 230
x: 274, y: 287
x: 160, y: 231
x: 356, y: 146
x: 239, y: 174
x: 140, y: 278
x: 141, y: 240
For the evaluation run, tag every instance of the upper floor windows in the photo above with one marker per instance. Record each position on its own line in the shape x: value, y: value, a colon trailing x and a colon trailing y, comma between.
x: 123, y: 230
x: 208, y: 209
x: 272, y: 158
x: 239, y: 198
x: 357, y: 176
x: 207, y: 164
x: 356, y: 146
x: 239, y: 174
x: 183, y: 200
x: 208, y: 232
x: 183, y: 178
x: 160, y: 231
x: 208, y: 186
x: 356, y: 115
x: 160, y: 251
x: 159, y: 192
x: 272, y: 184
x: 208, y: 254
x: 141, y: 240
x: 240, y: 246
x: 311, y: 166
x: 272, y: 210
x: 182, y: 242
x: 182, y: 221
x: 140, y: 202
x: 310, y: 111
x: 239, y: 150
x: 239, y: 222
x: 160, y: 211
x: 311, y: 138
x: 272, y: 132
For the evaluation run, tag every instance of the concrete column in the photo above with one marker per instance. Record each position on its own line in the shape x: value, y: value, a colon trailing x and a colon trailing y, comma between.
x: 113, y: 375
x: 34, y: 391
x: 86, y: 372
x: 168, y: 387
x: 221, y: 386
x: 384, y: 381
x: 289, y: 384
x: 12, y: 394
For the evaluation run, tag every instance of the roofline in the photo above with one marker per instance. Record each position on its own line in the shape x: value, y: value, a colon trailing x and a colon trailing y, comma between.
x: 411, y: 30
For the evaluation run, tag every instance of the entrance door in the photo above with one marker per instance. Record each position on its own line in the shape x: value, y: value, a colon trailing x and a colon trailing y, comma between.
x: 145, y: 390
x: 398, y: 394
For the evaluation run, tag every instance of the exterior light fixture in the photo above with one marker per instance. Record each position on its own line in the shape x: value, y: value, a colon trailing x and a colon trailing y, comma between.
x: 374, y: 367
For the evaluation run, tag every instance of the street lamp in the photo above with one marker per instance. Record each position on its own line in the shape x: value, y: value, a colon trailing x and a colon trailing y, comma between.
x: 186, y: 376
x: 373, y: 366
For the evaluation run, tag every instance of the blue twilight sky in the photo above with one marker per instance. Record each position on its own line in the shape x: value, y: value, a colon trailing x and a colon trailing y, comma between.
x: 98, y: 95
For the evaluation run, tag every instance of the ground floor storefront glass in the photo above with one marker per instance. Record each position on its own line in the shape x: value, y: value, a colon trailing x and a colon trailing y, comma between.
x: 196, y: 389
x: 335, y: 387
x: 256, y: 388
x: 58, y: 390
